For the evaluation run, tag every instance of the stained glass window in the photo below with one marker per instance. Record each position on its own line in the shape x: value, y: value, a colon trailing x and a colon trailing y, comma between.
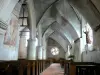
x: 55, y: 51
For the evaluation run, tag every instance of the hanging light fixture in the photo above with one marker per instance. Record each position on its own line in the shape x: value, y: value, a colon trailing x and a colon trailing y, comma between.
x: 23, y: 16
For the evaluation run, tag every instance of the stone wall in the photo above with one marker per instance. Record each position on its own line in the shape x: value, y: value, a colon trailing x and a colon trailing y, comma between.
x: 93, y: 56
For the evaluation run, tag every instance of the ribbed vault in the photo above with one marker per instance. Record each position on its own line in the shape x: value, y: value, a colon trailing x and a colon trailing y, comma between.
x: 63, y: 18
x: 64, y: 26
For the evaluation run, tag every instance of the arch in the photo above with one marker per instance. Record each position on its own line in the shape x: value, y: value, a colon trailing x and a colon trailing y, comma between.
x: 49, y: 7
x: 57, y: 37
x: 53, y: 43
x: 64, y: 23
x: 89, y: 12
x: 51, y: 20
x: 49, y: 32
x: 56, y: 27
x: 69, y: 14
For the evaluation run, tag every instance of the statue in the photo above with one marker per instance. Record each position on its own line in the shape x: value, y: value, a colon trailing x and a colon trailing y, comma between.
x: 88, y: 41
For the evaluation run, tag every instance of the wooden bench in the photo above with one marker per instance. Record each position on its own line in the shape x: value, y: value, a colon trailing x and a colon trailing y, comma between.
x: 35, y: 67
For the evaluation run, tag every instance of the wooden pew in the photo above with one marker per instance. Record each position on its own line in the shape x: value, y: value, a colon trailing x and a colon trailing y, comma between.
x: 35, y: 67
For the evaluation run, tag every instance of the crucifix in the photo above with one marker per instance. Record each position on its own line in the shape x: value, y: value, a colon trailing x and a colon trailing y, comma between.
x: 88, y: 41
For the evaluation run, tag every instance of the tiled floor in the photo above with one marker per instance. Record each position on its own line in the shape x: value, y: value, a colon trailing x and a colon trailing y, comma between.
x: 53, y: 69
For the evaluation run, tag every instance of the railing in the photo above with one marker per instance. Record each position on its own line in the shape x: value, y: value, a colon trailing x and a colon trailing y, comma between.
x: 26, y: 67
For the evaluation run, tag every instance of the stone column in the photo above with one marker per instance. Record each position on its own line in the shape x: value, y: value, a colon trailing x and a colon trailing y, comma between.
x: 39, y: 48
x: 67, y: 53
x: 44, y: 48
x: 73, y: 48
x: 31, y: 52
x: 22, y: 47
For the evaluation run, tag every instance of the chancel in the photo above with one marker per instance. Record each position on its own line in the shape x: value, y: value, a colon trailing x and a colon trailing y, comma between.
x: 49, y: 37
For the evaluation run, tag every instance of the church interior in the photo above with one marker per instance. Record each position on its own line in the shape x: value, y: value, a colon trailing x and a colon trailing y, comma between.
x: 49, y: 37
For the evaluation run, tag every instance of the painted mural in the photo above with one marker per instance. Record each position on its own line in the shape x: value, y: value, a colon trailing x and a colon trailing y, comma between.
x: 10, y: 36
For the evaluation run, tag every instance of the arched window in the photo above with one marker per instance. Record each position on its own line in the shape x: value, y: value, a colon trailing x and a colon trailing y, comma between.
x: 55, y: 51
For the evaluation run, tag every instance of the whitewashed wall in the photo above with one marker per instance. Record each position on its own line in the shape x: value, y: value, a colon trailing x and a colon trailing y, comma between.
x: 8, y: 53
x: 8, y: 9
x: 93, y: 56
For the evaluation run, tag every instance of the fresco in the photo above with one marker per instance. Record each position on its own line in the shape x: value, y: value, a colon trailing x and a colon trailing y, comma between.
x: 10, y: 36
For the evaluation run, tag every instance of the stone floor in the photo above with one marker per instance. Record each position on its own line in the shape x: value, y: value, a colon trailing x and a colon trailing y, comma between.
x: 53, y: 69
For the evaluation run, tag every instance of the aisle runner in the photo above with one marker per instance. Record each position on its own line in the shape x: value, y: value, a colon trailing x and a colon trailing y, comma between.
x: 53, y: 69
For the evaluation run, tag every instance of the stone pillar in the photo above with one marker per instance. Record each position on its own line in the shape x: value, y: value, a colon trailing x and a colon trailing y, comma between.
x: 22, y: 47
x: 31, y: 52
x: 81, y: 49
x: 40, y: 52
x: 73, y: 48
x: 39, y: 48
x: 44, y: 48
x: 79, y: 43
x: 67, y: 53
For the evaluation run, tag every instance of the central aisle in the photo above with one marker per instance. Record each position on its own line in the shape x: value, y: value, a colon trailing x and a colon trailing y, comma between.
x: 53, y: 69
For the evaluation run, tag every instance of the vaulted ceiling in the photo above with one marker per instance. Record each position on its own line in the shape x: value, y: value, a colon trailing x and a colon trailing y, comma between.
x: 61, y: 19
